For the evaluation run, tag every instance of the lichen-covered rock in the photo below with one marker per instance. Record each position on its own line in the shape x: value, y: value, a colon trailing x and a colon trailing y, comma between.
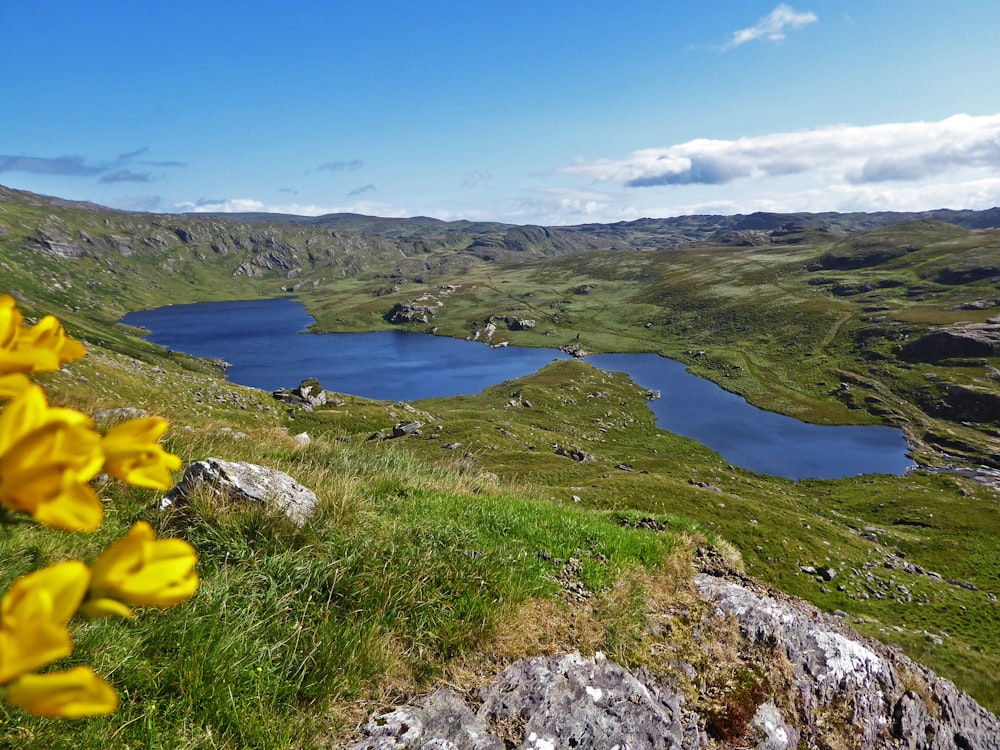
x: 571, y: 701
x: 544, y: 703
x: 244, y: 482
x: 842, y: 690
x: 837, y: 670
x: 442, y: 720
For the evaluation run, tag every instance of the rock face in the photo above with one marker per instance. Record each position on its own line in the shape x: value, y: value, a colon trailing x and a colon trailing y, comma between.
x: 243, y: 482
x: 965, y: 404
x: 544, y: 703
x: 843, y: 691
x: 308, y: 396
x: 970, y: 340
x: 410, y: 313
x: 889, y: 700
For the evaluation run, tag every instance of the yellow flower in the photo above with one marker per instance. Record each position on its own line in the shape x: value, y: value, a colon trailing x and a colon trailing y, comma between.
x: 70, y: 694
x: 13, y: 384
x: 48, y: 335
x: 42, y: 348
x: 132, y: 453
x: 33, y: 616
x: 141, y: 571
x: 47, y: 457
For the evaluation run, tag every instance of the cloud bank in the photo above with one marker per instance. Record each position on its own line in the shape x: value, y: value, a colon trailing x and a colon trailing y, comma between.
x: 852, y: 154
x: 772, y: 27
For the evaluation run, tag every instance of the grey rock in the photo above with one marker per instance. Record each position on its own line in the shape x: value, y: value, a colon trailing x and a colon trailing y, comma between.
x: 302, y: 439
x: 577, y: 454
x: 120, y: 413
x: 574, y: 350
x: 574, y: 701
x: 567, y: 701
x: 519, y: 324
x: 409, y: 313
x: 774, y: 732
x: 243, y: 482
x: 402, y: 429
x: 835, y: 668
x: 308, y: 395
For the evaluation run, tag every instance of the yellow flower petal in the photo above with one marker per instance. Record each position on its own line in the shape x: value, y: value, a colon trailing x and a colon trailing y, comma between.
x: 70, y: 694
x: 140, y: 570
x: 48, y: 335
x: 31, y: 638
x: 13, y: 384
x: 94, y: 608
x: 47, y: 457
x: 41, y: 348
x: 10, y: 321
x: 132, y: 453
x: 65, y: 582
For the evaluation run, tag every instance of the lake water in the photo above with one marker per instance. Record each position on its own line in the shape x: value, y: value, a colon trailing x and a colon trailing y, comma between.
x: 265, y: 343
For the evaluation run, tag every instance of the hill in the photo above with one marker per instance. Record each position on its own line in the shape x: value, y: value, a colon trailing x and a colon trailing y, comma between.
x: 426, y: 566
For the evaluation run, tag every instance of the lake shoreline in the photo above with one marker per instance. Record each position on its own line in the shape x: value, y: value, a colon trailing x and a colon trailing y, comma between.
x: 260, y: 338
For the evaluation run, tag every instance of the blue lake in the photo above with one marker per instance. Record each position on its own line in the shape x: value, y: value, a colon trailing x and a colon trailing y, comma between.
x: 266, y: 344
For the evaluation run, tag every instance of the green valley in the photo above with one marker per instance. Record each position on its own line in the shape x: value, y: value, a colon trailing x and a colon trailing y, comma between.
x: 431, y: 551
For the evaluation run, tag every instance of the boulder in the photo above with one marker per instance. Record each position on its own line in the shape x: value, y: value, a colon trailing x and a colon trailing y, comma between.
x: 241, y: 482
x: 309, y: 395
x: 969, y: 340
x: 402, y: 429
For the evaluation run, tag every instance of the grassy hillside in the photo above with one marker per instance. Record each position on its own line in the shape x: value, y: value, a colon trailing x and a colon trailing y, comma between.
x: 807, y: 323
x: 428, y: 562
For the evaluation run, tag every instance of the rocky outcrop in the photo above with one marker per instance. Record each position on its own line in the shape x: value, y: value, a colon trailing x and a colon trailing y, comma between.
x: 229, y: 482
x: 967, y: 404
x: 410, y: 313
x: 58, y: 242
x: 574, y: 350
x: 308, y: 395
x: 839, y: 690
x: 888, y: 700
x: 970, y: 340
x: 544, y: 703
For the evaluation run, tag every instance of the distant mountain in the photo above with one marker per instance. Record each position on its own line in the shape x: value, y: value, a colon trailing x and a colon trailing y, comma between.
x: 643, y: 233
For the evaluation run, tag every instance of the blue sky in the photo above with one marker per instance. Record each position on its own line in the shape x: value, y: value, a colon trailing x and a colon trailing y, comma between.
x: 549, y: 112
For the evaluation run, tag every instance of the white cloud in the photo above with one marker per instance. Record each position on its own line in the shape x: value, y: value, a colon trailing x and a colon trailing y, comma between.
x: 854, y: 154
x: 973, y: 194
x: 250, y: 205
x: 772, y: 27
x: 562, y: 205
x: 475, y: 178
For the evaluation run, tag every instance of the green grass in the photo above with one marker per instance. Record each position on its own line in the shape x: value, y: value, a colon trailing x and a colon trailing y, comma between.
x: 405, y: 568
